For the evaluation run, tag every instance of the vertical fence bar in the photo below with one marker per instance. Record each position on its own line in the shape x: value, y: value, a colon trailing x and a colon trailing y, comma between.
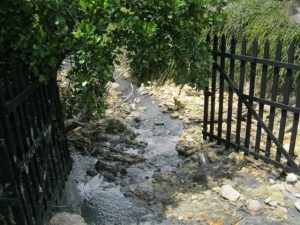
x: 29, y: 182
x: 286, y: 95
x: 206, y: 99
x: 230, y: 94
x: 263, y: 88
x: 251, y: 93
x: 241, y: 89
x: 213, y: 86
x: 274, y: 97
x: 23, y: 181
x: 295, y: 121
x: 221, y: 90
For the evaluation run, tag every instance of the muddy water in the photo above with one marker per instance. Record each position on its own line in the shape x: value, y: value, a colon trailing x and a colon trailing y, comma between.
x: 103, y: 203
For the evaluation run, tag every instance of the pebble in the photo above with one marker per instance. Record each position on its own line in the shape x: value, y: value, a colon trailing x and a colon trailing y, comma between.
x: 159, y: 123
x: 253, y: 205
x: 291, y: 178
x: 272, y: 181
x: 216, y: 189
x: 270, y: 202
x: 229, y: 193
x: 91, y: 172
x: 297, y: 195
x: 297, y: 205
x: 115, y: 86
x: 137, y: 100
x: 180, y: 218
x: 194, y: 197
x: 142, y: 109
x: 174, y: 115
x: 212, y: 157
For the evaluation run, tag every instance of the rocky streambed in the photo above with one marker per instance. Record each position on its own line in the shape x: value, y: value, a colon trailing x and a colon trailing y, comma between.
x: 144, y: 162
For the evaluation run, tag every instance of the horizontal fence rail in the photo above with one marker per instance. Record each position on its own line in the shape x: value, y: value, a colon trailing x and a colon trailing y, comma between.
x: 34, y: 159
x: 253, y: 100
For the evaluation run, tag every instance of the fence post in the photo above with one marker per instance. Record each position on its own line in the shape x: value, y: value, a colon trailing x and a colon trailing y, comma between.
x: 230, y: 94
x: 274, y: 97
x: 286, y: 95
x: 251, y: 94
x: 241, y: 89
x: 221, y: 90
x: 213, y: 87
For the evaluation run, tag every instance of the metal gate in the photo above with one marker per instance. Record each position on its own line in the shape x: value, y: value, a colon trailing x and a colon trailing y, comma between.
x: 34, y: 159
x: 253, y: 101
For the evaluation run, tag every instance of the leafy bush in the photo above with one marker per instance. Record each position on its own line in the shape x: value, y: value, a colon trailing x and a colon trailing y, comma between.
x: 161, y: 37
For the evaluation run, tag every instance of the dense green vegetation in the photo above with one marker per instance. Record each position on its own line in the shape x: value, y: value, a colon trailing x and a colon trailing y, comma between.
x: 263, y: 20
x: 160, y: 37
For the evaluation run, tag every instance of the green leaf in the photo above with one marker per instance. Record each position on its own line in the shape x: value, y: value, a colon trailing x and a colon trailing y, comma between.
x: 83, y: 4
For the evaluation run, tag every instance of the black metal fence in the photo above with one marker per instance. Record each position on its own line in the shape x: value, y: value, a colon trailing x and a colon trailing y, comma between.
x: 34, y: 159
x: 246, y: 108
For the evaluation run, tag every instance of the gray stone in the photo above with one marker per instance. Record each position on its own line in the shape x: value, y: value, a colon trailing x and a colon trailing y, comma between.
x: 144, y: 190
x: 270, y: 202
x: 297, y: 205
x: 67, y: 219
x: 115, y: 86
x: 229, y: 193
x: 253, y: 205
x: 159, y: 123
x: 174, y: 115
x: 91, y: 172
x: 180, y: 218
x: 137, y: 117
x: 297, y: 195
x: 291, y: 178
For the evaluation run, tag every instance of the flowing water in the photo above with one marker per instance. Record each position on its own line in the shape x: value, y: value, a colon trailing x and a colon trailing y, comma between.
x: 101, y: 202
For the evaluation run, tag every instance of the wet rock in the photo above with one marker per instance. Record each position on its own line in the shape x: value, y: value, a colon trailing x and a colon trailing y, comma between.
x: 67, y: 219
x: 297, y: 205
x: 291, y: 178
x: 253, y: 205
x: 108, y: 176
x: 229, y: 193
x: 212, y: 157
x: 159, y: 123
x: 174, y: 115
x: 104, y: 166
x: 137, y: 117
x: 144, y: 190
x: 114, y: 139
x: 92, y: 172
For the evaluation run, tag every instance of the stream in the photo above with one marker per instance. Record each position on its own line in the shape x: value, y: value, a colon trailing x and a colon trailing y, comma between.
x: 104, y: 203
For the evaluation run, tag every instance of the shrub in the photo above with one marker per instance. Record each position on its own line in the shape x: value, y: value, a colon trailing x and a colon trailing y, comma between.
x: 161, y: 38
